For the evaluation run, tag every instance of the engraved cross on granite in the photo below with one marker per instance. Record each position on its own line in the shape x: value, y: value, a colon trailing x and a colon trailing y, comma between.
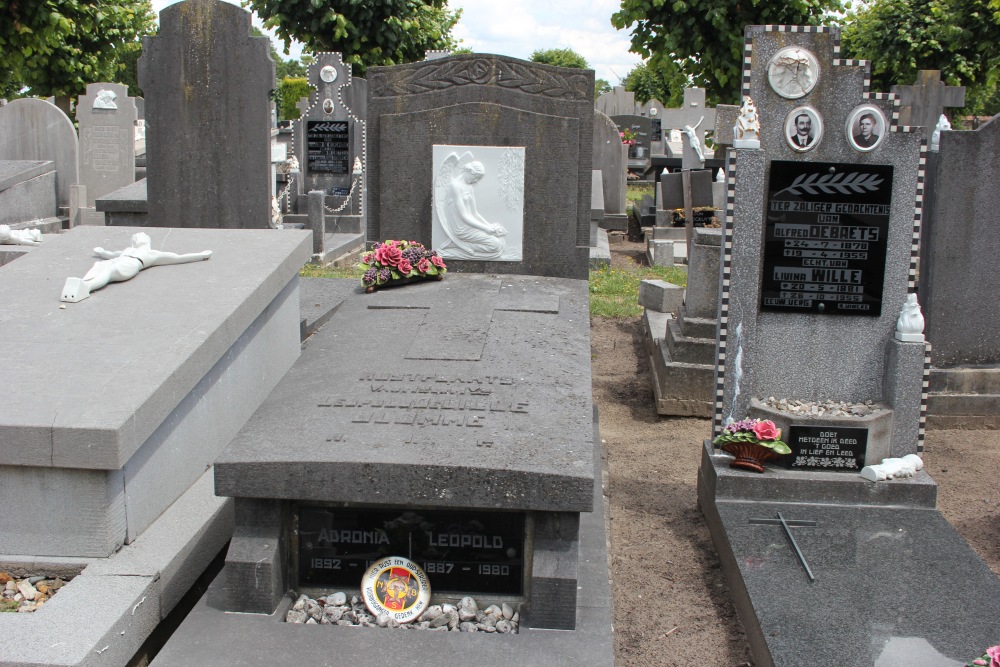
x: 690, y: 114
x: 922, y: 103
x: 457, y: 322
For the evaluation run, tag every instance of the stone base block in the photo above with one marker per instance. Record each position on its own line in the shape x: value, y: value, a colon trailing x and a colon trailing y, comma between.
x: 614, y: 222
x: 600, y: 254
x: 964, y: 398
x: 689, y: 350
x: 680, y: 389
x: 660, y: 295
x: 29, y: 200
x: 660, y: 253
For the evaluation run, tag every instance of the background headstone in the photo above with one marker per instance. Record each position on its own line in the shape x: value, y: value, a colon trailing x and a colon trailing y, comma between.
x: 107, y: 140
x: 642, y: 126
x: 922, y: 103
x: 206, y: 82
x: 610, y: 158
x: 692, y: 113
x: 36, y: 130
x: 484, y: 100
x: 617, y: 102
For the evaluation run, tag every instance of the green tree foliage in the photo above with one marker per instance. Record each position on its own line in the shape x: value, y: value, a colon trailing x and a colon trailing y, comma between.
x: 700, y: 42
x: 283, y: 68
x: 600, y: 87
x: 560, y: 58
x: 959, y: 37
x: 288, y: 94
x: 57, y: 47
x: 388, y: 32
x: 647, y: 83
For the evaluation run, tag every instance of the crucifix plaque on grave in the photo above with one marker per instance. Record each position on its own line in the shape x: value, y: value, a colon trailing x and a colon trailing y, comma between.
x: 694, y: 115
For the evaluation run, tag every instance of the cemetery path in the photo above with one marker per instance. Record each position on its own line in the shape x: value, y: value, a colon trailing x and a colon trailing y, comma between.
x: 671, y: 604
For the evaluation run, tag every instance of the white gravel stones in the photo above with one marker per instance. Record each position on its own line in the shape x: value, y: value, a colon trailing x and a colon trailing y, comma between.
x: 824, y: 408
x: 466, y: 616
x: 26, y: 594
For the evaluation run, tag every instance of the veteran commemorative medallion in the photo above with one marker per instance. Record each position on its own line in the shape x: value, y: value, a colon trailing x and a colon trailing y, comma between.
x: 396, y: 586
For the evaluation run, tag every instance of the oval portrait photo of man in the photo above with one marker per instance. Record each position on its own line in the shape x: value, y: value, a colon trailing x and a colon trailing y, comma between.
x: 866, y: 128
x: 803, y: 128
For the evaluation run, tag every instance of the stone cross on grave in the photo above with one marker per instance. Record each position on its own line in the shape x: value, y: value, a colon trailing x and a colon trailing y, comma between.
x: 303, y: 105
x: 456, y: 322
x: 693, y: 114
x: 923, y: 103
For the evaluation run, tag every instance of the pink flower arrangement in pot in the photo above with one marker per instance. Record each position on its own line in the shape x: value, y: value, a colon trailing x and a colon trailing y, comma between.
x: 752, y: 442
x: 397, y: 262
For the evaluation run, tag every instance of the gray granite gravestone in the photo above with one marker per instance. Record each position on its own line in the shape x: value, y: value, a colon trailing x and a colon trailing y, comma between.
x: 642, y: 128
x: 329, y: 138
x: 923, y: 102
x: 36, y: 130
x: 819, y: 250
x: 144, y: 383
x: 27, y: 191
x: 484, y: 100
x: 957, y: 267
x: 107, y: 138
x: 206, y: 82
x: 610, y: 156
x: 617, y: 102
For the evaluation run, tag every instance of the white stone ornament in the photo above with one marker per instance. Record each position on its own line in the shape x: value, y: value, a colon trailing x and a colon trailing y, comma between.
x: 693, y: 139
x: 910, y: 324
x: 942, y: 125
x: 793, y: 72
x: 893, y: 468
x: 720, y: 177
x: 328, y: 74
x: 746, y: 132
x: 358, y: 170
x: 476, y: 223
x: 10, y: 236
x: 105, y: 99
x: 121, y: 265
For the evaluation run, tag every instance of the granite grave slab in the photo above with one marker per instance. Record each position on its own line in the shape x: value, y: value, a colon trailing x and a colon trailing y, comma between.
x: 33, y: 129
x: 27, y: 191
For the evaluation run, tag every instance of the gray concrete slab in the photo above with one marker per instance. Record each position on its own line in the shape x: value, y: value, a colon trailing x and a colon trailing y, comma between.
x: 142, y: 359
x: 212, y: 636
x: 17, y: 171
x: 105, y: 614
x: 889, y: 583
x: 490, y: 412
x: 129, y: 199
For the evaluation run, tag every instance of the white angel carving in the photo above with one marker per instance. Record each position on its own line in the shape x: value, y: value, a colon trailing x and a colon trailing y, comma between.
x: 470, y: 235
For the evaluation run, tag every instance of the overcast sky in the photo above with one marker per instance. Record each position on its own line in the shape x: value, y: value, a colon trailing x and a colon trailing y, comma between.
x: 519, y: 27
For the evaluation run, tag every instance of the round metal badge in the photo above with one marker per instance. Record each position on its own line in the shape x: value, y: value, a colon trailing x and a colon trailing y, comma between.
x: 396, y: 586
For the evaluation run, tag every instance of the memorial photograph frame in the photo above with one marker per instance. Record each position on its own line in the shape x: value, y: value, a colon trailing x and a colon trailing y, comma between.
x: 791, y: 125
x: 854, y: 130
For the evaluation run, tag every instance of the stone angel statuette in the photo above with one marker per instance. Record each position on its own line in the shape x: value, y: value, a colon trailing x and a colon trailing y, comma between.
x: 470, y: 235
x: 693, y: 139
x: 943, y: 124
x: 893, y: 468
x: 10, y: 236
x: 746, y: 132
x: 910, y: 323
x: 121, y: 265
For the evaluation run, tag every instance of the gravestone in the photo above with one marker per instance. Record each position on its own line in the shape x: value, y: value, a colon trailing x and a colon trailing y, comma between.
x: 206, y: 82
x: 610, y: 156
x: 107, y: 120
x: 642, y: 127
x: 923, y: 102
x: 818, y: 261
x: 329, y: 139
x: 27, y: 191
x: 491, y: 101
x: 695, y: 115
x: 616, y: 102
x: 955, y: 273
x: 681, y: 345
x: 33, y: 129
x: 144, y: 385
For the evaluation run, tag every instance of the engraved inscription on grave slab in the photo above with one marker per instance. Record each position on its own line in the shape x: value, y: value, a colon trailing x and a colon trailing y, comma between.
x: 103, y: 146
x: 827, y: 448
x: 467, y: 552
x: 328, y: 146
x: 826, y: 239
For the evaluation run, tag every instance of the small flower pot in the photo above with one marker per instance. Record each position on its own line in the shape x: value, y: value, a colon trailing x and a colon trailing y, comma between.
x: 749, y: 455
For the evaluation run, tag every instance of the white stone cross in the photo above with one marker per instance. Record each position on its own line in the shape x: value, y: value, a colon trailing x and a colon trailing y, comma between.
x: 690, y: 115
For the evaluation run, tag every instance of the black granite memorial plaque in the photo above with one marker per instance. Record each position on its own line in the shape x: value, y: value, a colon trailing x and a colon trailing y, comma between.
x: 657, y: 131
x: 642, y: 127
x: 328, y: 146
x: 462, y: 552
x: 702, y: 218
x: 826, y: 448
x: 826, y: 238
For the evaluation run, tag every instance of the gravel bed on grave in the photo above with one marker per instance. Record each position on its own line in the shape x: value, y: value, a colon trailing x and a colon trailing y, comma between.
x: 333, y: 609
x: 25, y: 595
x: 825, y: 408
